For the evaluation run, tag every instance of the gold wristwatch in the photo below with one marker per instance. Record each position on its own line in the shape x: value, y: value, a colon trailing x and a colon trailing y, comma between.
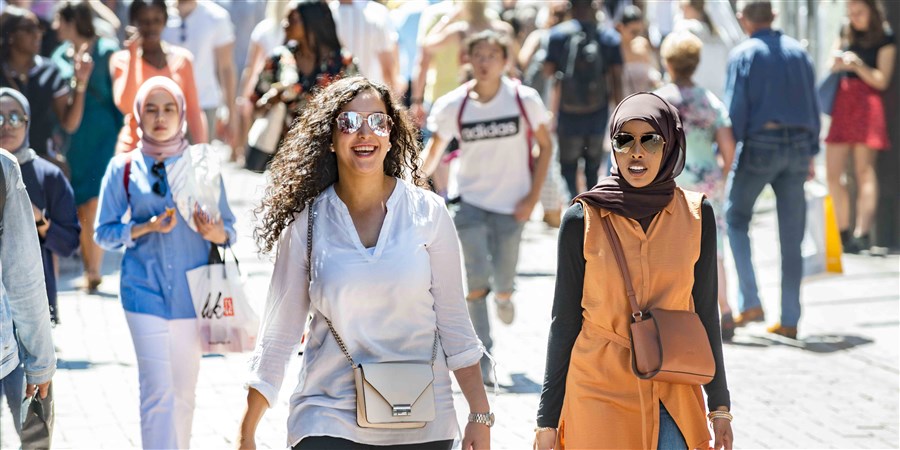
x: 486, y: 419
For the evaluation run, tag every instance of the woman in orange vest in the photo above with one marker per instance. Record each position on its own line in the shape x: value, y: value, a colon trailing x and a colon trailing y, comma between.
x: 590, y: 397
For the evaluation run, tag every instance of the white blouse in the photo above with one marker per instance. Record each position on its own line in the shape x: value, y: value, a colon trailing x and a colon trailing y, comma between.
x: 385, y: 304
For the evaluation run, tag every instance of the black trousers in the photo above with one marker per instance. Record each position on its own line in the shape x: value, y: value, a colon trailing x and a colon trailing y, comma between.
x: 333, y: 443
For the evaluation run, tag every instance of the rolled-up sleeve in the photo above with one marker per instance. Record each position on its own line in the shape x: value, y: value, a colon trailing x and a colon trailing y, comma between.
x: 109, y: 231
x: 287, y: 306
x: 461, y: 346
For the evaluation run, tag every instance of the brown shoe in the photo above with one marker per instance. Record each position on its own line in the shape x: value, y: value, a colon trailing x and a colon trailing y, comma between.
x: 788, y: 332
x: 750, y: 315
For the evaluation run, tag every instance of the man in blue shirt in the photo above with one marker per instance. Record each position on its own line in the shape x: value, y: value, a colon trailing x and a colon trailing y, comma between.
x: 770, y: 93
x: 582, y: 103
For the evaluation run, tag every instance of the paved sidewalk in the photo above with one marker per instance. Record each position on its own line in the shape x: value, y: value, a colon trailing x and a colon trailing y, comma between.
x: 835, y: 388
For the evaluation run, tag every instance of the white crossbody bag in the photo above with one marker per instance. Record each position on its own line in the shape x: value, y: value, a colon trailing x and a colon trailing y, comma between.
x: 392, y: 394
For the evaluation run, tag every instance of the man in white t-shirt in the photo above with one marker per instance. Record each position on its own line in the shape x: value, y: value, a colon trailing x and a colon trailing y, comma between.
x: 205, y: 29
x: 495, y: 120
x: 365, y: 29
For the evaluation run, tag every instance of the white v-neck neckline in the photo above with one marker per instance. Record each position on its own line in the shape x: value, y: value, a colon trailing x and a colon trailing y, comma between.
x: 370, y: 253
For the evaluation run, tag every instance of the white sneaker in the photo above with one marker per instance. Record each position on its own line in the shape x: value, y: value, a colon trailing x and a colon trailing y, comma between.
x: 506, y: 311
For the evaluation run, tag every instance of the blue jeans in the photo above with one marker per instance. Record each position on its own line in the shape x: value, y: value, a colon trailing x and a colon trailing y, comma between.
x: 574, y: 148
x: 490, y: 247
x: 779, y: 158
x: 670, y: 437
x: 12, y: 387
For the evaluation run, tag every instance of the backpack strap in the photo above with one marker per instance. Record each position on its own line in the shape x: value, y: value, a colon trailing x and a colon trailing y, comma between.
x: 529, y: 132
x: 126, y: 177
x: 462, y: 107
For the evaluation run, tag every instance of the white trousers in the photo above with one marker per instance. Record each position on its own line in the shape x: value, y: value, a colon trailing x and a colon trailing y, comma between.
x: 168, y: 355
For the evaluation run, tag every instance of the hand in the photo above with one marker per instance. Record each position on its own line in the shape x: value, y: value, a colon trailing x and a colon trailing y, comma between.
x: 43, y: 389
x: 38, y: 214
x: 163, y: 223
x: 211, y: 229
x: 524, y: 208
x: 84, y: 64
x: 544, y: 440
x: 132, y: 38
x: 476, y: 437
x: 723, y: 435
x: 851, y: 61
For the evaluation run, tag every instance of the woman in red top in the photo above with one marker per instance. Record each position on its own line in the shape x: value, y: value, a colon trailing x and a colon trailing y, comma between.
x: 865, y: 54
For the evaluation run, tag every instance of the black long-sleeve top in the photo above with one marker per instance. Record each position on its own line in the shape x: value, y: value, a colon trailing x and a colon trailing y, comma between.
x: 567, y: 311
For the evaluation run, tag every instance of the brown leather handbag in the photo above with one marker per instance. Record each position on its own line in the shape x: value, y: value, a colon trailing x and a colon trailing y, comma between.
x: 666, y: 345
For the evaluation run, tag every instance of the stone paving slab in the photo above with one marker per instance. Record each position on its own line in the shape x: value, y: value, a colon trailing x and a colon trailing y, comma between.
x: 836, y: 388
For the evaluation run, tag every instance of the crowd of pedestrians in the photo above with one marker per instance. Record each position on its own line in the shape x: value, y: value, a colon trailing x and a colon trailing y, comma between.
x: 406, y: 145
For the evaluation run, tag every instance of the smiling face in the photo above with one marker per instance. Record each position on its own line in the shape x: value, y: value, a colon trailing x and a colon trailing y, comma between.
x: 638, y: 166
x: 11, y: 138
x: 362, y: 152
x: 160, y: 116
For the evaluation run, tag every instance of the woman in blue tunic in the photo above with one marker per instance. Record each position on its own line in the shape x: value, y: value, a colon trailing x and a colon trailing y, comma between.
x: 92, y: 146
x: 162, y: 242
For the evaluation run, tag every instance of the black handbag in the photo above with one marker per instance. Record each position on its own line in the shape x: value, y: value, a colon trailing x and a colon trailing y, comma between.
x: 37, y: 423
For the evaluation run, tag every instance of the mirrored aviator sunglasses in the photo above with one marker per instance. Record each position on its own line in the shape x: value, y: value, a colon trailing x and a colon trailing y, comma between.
x: 652, y: 142
x: 350, y: 122
x: 14, y: 120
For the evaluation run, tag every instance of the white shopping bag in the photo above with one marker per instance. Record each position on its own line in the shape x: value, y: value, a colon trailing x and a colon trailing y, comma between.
x: 227, y: 322
x: 820, y: 248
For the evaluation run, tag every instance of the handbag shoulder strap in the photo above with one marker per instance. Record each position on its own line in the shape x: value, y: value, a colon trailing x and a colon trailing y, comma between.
x: 623, y: 267
x: 337, y: 337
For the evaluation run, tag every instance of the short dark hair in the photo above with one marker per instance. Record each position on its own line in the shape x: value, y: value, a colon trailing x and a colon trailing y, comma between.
x: 630, y: 14
x: 81, y: 15
x: 757, y: 11
x: 491, y: 37
x: 138, y: 6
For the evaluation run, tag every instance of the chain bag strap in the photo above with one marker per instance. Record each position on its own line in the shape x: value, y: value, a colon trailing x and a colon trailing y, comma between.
x: 666, y: 345
x: 395, y: 395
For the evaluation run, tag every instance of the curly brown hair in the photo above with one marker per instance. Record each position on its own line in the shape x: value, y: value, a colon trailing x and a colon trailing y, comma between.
x: 305, y: 166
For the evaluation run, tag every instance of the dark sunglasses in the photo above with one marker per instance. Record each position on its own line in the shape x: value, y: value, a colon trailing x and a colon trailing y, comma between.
x: 624, y: 142
x: 350, y: 122
x: 160, y: 187
x: 14, y: 120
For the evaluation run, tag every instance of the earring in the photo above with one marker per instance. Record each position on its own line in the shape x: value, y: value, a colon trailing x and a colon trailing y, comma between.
x: 332, y: 148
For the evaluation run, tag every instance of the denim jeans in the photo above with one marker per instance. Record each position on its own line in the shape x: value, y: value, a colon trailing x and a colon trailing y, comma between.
x: 12, y: 387
x: 574, y: 148
x: 490, y: 246
x: 781, y: 159
x: 670, y: 437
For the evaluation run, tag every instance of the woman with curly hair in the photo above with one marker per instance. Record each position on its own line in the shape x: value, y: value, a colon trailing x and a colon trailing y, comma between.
x: 346, y: 207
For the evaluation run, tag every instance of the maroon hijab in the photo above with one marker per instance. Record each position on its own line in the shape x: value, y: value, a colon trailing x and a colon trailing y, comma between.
x: 613, y: 193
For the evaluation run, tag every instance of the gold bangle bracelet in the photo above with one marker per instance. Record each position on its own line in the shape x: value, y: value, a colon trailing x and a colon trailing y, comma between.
x: 720, y: 415
x: 542, y: 429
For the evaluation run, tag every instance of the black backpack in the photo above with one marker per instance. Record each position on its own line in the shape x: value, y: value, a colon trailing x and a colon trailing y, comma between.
x: 583, y: 77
